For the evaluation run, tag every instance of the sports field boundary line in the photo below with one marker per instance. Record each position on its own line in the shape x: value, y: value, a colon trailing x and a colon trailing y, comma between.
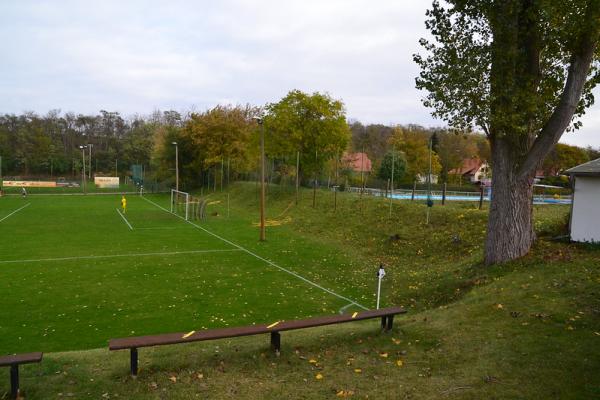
x: 124, y: 219
x: 14, y: 212
x: 165, y: 253
x: 261, y: 258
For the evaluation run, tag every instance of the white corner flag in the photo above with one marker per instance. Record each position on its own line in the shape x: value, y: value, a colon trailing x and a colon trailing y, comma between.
x: 380, y: 275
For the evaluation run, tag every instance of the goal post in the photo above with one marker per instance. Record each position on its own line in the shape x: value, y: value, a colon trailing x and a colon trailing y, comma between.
x: 180, y: 203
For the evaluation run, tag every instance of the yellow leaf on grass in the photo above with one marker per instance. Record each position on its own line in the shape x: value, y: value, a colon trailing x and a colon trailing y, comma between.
x: 499, y: 306
x: 173, y: 379
x: 396, y: 341
x: 358, y: 370
x: 384, y: 355
x: 318, y: 377
x: 399, y: 363
x: 312, y: 361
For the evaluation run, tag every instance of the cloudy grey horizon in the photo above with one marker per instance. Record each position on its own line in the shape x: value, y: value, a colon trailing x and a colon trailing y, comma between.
x: 138, y: 56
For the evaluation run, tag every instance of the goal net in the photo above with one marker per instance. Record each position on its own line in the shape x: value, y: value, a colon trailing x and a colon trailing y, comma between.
x: 180, y: 203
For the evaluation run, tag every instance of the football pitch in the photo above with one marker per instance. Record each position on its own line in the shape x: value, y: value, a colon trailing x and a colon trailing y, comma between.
x: 76, y: 272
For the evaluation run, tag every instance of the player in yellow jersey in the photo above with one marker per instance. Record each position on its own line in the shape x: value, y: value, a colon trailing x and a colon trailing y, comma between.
x: 124, y: 204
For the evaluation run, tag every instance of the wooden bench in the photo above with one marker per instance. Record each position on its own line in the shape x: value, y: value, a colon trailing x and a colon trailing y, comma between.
x: 13, y: 362
x: 134, y: 343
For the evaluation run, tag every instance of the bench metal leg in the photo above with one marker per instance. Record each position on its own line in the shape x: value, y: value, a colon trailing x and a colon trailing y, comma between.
x: 14, y: 381
x: 390, y: 323
x: 134, y: 361
x: 276, y: 341
x: 383, y: 322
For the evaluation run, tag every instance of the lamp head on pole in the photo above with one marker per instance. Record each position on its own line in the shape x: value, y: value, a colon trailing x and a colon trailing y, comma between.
x: 259, y: 120
x: 174, y: 143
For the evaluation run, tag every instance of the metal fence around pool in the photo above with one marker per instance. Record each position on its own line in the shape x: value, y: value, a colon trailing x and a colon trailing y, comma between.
x: 436, y: 195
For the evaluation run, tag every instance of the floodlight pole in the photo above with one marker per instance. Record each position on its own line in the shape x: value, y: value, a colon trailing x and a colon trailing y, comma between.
x: 83, y: 170
x: 262, y: 179
x: 392, y: 185
x: 176, y: 165
x: 90, y: 161
x: 429, y: 179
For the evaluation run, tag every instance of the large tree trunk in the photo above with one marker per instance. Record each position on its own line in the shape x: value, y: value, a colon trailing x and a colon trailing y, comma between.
x: 510, y: 224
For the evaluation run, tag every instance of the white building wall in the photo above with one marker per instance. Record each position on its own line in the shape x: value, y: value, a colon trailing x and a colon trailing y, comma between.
x: 585, y: 220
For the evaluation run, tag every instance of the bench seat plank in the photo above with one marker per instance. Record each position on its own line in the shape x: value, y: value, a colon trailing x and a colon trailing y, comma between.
x: 17, y: 359
x: 174, y: 338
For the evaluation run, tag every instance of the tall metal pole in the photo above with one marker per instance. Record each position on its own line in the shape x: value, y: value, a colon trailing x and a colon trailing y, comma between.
x: 429, y: 180
x: 83, y: 170
x: 262, y: 181
x: 90, y: 161
x: 392, y: 185
x: 297, y: 175
x: 176, y: 166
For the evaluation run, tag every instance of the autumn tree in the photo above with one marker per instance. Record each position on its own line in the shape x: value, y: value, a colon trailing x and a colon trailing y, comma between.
x: 221, y: 138
x: 395, y: 159
x: 312, y: 124
x: 452, y: 149
x: 414, y: 144
x: 522, y: 71
x: 563, y: 157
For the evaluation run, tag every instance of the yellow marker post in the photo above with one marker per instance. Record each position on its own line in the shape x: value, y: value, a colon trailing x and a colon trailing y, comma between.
x: 187, y: 335
x: 354, y: 315
x: 272, y: 325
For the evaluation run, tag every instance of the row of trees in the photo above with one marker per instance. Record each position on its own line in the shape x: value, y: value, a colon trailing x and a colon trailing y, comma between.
x: 305, y: 130
x: 48, y: 145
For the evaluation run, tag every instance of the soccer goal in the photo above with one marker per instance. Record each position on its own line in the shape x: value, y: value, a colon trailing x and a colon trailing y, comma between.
x: 180, y: 203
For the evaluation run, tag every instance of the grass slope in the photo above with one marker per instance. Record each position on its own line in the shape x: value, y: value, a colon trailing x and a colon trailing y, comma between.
x: 526, y: 329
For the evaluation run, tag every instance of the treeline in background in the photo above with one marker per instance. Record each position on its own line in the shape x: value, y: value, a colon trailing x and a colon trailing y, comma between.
x: 221, y: 144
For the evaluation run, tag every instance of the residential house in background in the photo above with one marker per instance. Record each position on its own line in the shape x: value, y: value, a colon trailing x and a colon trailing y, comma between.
x: 357, y: 162
x: 473, y: 170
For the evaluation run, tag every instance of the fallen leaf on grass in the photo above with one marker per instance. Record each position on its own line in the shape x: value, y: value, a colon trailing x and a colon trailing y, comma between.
x: 344, y: 393
x: 399, y: 363
x: 318, y: 377
x: 357, y: 370
x: 312, y: 361
x: 173, y: 379
x: 384, y: 355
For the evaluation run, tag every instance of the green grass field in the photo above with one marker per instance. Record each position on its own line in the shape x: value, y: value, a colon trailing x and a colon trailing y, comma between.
x: 76, y: 273
x: 526, y: 329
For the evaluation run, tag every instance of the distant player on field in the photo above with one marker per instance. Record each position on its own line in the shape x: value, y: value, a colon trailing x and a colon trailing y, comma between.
x: 124, y: 204
x: 23, y: 191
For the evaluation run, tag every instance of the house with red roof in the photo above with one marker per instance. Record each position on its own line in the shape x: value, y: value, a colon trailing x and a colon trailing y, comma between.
x: 473, y: 170
x: 357, y: 162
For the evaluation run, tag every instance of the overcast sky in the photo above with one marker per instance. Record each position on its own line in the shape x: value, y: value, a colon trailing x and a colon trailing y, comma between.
x: 138, y: 56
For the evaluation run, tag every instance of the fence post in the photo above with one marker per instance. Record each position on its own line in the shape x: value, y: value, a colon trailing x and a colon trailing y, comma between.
x: 413, y: 191
x: 480, y: 197
x: 444, y: 194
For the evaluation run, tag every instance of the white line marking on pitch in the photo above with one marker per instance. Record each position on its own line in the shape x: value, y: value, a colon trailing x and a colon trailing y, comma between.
x: 14, y: 212
x: 341, y: 310
x: 125, y: 219
x: 168, y: 253
x: 261, y: 258
x: 158, y: 227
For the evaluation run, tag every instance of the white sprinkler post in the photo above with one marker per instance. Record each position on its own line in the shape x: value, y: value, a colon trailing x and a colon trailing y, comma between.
x: 380, y: 275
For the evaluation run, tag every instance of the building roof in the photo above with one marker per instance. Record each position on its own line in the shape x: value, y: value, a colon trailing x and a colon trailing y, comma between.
x: 357, y: 162
x: 588, y: 168
x: 469, y: 166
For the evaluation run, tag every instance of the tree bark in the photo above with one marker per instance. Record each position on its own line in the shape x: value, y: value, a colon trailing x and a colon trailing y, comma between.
x: 510, y: 224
